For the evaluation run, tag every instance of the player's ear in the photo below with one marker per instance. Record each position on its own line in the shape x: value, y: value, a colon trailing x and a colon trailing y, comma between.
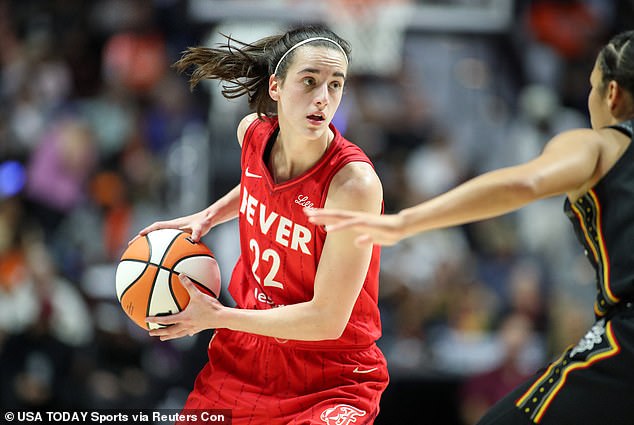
x: 618, y: 99
x: 274, y: 87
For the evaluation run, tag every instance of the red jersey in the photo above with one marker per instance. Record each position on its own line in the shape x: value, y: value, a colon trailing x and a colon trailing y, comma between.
x: 280, y: 248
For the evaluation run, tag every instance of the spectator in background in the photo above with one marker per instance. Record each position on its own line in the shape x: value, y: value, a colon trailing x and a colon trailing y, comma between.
x: 59, y: 170
x: 482, y: 390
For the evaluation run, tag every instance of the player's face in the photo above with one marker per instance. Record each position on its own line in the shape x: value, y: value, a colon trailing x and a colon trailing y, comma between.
x: 597, y: 102
x: 310, y: 94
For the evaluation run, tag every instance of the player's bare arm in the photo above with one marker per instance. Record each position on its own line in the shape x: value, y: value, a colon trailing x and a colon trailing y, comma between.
x: 567, y: 165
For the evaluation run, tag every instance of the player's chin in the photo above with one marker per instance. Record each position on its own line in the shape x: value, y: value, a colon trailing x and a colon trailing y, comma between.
x: 316, y: 132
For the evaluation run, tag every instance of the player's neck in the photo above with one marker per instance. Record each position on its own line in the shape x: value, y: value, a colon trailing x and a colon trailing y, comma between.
x: 290, y: 158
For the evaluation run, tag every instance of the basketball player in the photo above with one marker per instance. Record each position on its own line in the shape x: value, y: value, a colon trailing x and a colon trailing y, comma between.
x: 592, y: 383
x: 299, y: 348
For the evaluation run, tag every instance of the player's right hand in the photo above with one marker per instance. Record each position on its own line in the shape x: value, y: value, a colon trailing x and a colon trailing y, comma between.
x: 198, y: 225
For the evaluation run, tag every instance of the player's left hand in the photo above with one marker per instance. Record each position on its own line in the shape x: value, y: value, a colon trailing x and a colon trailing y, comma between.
x: 199, y: 315
x: 373, y: 229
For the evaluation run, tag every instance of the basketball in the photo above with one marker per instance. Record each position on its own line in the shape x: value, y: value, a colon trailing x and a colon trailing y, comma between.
x: 147, y: 282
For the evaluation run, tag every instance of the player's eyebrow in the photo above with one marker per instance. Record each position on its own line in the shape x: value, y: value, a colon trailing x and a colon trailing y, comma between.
x: 317, y: 71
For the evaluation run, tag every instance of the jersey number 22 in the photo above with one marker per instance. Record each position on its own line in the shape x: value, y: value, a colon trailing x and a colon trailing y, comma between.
x: 269, y: 256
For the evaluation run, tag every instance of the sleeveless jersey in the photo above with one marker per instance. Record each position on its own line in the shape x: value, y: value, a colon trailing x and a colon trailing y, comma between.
x: 280, y: 248
x: 603, y: 220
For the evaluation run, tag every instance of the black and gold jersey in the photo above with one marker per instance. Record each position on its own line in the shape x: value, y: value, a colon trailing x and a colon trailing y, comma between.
x: 603, y: 220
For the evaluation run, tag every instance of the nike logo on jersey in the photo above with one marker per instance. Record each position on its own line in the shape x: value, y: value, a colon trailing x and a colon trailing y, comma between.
x: 250, y: 174
x: 357, y: 370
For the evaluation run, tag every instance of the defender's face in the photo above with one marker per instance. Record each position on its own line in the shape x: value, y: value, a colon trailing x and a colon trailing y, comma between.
x: 598, y: 106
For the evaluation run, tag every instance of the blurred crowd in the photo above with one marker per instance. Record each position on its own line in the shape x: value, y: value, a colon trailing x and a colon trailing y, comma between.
x: 99, y: 137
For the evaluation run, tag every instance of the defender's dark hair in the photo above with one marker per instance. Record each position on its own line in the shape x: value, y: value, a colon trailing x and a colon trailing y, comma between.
x: 245, y: 68
x: 616, y: 61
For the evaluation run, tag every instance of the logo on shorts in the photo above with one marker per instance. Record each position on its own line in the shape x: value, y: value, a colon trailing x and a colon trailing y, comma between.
x: 592, y: 338
x: 357, y: 370
x: 341, y: 414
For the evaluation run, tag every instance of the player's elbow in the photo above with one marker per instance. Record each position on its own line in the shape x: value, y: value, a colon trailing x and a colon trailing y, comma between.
x: 527, y: 189
x: 329, y: 319
x: 538, y: 187
x: 334, y: 332
x: 333, y: 328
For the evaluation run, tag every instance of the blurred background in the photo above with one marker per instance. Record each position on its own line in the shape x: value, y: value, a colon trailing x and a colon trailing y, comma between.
x: 99, y: 137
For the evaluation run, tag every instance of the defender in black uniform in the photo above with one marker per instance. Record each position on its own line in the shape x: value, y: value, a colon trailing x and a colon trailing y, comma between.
x: 592, y: 383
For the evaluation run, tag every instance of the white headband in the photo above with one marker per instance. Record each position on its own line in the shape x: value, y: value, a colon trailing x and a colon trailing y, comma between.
x: 308, y: 40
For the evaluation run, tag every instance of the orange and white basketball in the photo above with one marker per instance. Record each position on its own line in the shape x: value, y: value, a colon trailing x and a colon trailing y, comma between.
x: 147, y: 282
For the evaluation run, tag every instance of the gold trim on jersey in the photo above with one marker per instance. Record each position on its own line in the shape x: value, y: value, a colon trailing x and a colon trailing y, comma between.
x: 588, y: 212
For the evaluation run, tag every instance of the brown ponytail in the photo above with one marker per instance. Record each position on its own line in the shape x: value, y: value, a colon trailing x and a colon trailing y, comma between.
x: 245, y: 68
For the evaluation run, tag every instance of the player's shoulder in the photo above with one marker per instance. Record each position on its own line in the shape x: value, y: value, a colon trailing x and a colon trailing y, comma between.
x: 583, y: 135
x: 355, y: 186
x: 582, y: 140
x: 245, y: 123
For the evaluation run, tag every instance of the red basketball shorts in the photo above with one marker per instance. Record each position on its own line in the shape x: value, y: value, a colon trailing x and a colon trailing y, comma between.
x: 263, y: 381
